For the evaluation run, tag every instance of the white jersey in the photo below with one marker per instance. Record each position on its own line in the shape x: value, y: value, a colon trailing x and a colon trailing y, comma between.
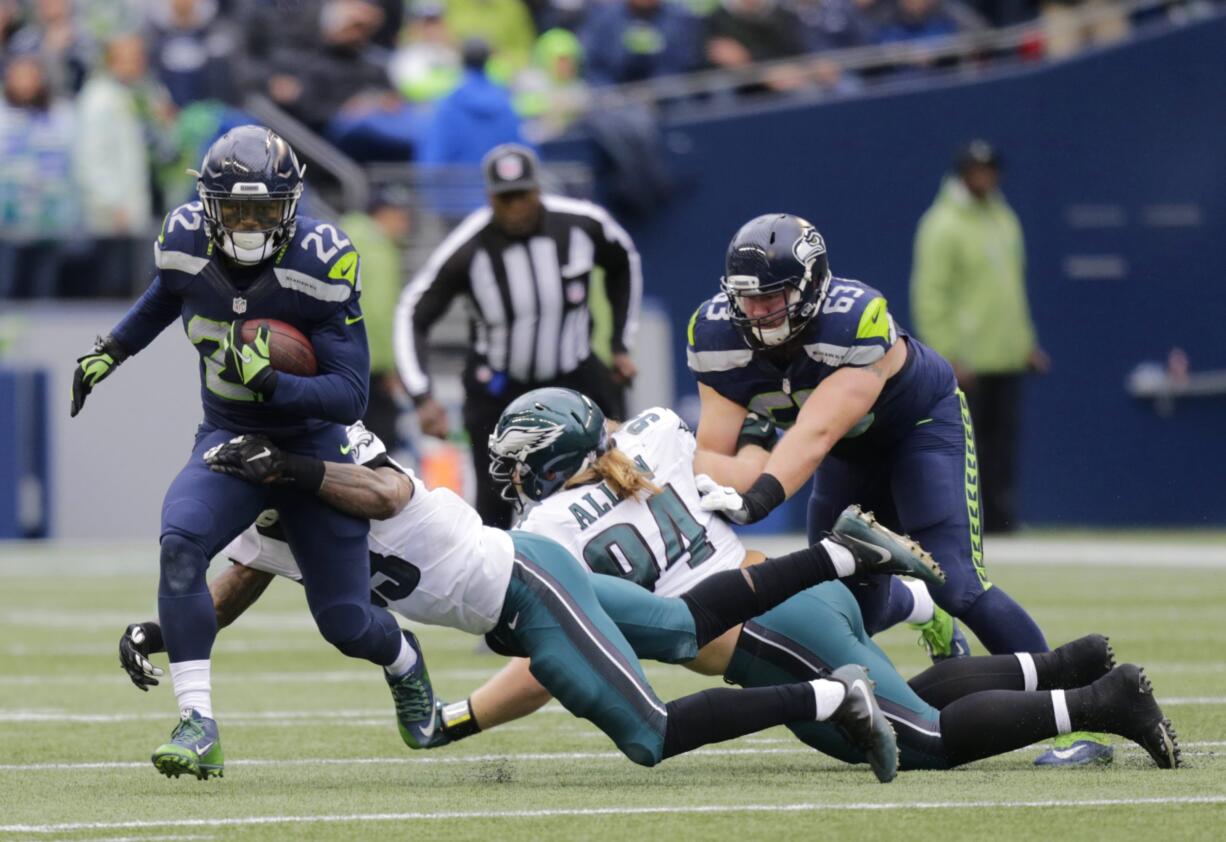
x: 665, y: 543
x: 434, y: 562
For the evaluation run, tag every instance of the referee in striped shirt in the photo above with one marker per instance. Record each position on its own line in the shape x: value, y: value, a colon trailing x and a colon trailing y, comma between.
x: 524, y: 264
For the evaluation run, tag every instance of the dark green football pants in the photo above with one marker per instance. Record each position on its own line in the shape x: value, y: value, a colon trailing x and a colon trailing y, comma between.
x: 584, y: 634
x: 821, y: 629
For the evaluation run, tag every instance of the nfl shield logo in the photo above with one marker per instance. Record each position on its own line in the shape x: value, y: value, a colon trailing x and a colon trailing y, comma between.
x: 240, y: 305
x: 510, y: 167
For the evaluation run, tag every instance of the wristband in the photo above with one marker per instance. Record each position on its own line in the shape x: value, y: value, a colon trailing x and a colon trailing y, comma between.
x: 306, y: 472
x: 153, y: 636
x: 761, y: 499
x: 458, y: 720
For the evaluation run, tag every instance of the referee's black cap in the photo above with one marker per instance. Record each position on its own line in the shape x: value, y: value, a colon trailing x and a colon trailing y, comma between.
x: 510, y: 167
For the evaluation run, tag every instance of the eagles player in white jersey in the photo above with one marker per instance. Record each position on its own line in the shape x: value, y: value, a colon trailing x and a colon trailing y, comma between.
x: 433, y: 561
x: 631, y: 509
x: 461, y: 589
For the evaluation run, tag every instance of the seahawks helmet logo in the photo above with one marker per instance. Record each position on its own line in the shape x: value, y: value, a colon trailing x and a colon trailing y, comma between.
x: 808, y: 246
x: 519, y: 440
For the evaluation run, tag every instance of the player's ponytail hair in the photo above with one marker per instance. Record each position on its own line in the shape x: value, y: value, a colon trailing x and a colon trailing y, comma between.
x: 619, y: 472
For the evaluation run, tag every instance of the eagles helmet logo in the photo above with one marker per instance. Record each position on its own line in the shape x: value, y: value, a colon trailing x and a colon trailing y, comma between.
x: 518, y: 440
x: 808, y: 246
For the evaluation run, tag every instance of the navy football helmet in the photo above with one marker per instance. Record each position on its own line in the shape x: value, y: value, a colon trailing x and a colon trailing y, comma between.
x: 250, y: 183
x: 543, y: 439
x: 778, y: 259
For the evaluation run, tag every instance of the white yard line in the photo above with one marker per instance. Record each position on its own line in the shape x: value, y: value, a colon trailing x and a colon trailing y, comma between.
x: 172, y: 838
x: 368, y: 716
x: 692, y: 809
x: 452, y: 760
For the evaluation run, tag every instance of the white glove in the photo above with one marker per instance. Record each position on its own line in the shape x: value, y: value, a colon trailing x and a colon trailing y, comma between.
x: 713, y: 497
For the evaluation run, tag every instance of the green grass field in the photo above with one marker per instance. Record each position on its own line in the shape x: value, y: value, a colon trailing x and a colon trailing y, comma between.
x: 312, y: 749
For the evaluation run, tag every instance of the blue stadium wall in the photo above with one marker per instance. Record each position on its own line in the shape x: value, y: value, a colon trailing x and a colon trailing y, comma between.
x: 1116, y: 164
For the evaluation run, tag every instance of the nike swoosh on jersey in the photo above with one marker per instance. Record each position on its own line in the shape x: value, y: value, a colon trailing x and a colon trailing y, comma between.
x: 514, y: 622
x: 354, y: 321
x: 345, y: 448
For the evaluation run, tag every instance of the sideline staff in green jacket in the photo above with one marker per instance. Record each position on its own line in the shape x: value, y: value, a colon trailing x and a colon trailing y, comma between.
x: 968, y: 296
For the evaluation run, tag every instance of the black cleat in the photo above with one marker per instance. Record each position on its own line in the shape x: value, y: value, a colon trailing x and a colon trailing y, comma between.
x: 1141, y: 718
x: 1084, y: 660
x: 861, y: 719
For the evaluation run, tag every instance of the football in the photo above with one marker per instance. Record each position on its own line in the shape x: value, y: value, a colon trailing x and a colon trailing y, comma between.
x: 288, y: 348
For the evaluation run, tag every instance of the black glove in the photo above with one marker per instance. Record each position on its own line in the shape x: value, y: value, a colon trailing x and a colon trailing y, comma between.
x: 138, y: 642
x: 93, y: 368
x: 757, y: 429
x: 248, y: 363
x: 256, y: 459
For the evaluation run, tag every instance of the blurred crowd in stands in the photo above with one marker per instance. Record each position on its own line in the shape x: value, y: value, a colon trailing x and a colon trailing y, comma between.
x: 108, y: 102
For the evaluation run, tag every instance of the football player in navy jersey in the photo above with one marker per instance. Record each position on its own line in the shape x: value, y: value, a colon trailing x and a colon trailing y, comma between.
x: 243, y: 252
x: 873, y: 416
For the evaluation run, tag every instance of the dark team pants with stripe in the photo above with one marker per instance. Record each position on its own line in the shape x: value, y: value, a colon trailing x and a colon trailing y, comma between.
x: 584, y: 634
x: 984, y: 708
x: 203, y: 511
x: 927, y: 485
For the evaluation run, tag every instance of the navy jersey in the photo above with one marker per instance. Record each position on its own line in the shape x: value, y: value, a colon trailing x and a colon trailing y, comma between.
x: 313, y: 283
x: 854, y: 328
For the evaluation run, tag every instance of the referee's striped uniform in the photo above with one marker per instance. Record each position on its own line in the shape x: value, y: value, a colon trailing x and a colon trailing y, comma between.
x: 529, y: 318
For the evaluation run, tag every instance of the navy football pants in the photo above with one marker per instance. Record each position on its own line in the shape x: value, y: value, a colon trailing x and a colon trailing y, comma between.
x: 203, y: 511
x: 927, y: 485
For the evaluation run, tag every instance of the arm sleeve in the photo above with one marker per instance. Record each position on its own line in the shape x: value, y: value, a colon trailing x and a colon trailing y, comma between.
x: 932, y: 291
x: 421, y: 304
x: 339, y: 392
x: 149, y: 316
x: 623, y: 280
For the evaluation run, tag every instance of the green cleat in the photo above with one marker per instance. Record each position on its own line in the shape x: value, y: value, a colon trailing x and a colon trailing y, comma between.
x: 879, y: 550
x: 941, y: 636
x: 194, y: 749
x: 416, y: 713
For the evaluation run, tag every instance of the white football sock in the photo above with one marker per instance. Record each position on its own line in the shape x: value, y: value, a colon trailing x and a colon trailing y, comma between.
x: 924, y: 607
x: 829, y: 695
x: 844, y: 562
x: 193, y: 687
x: 405, y: 661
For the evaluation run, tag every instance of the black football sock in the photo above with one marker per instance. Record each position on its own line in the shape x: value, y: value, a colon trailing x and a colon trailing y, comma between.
x: 993, y: 722
x: 1074, y: 664
x: 950, y: 680
x: 712, y: 716
x: 725, y: 599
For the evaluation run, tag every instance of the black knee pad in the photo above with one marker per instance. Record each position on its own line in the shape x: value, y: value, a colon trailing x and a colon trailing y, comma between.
x: 183, y: 564
x: 344, y: 626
